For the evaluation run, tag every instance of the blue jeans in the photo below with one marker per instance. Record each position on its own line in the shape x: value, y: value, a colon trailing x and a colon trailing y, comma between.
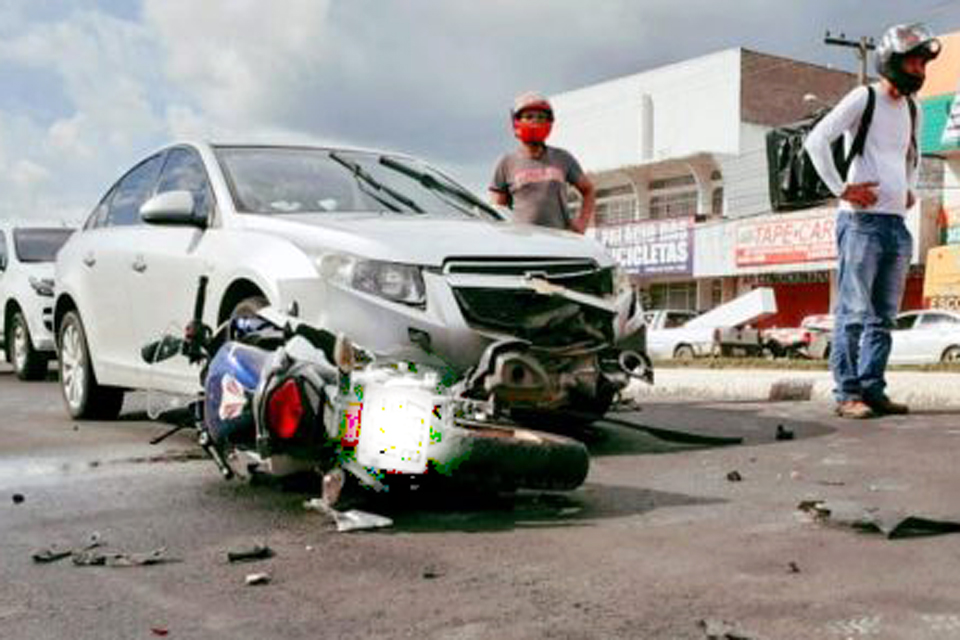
x: 873, y: 256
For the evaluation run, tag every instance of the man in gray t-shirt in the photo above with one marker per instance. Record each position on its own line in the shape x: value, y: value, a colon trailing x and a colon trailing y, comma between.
x: 533, y: 179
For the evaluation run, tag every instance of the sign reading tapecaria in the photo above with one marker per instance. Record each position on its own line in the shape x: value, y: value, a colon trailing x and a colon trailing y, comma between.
x: 807, y: 238
x: 651, y: 247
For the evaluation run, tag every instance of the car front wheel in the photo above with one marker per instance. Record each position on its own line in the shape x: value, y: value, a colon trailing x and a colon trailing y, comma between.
x: 28, y: 363
x: 952, y: 354
x: 82, y: 395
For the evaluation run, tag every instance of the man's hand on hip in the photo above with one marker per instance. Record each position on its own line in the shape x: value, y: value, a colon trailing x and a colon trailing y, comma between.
x: 862, y: 195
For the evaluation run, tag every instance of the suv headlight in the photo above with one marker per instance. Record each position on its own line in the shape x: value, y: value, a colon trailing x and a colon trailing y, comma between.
x: 392, y: 281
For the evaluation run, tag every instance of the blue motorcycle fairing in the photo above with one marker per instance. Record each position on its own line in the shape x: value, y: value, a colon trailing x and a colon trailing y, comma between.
x: 237, y: 367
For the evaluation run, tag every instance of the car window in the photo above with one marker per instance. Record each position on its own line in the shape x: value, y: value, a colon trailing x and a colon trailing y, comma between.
x: 37, y: 244
x: 183, y: 170
x: 937, y: 320
x: 132, y: 191
x: 98, y: 217
x: 3, y: 251
x: 906, y: 321
x: 677, y: 319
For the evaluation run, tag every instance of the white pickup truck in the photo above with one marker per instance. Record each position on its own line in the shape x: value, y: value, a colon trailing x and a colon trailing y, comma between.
x: 673, y: 333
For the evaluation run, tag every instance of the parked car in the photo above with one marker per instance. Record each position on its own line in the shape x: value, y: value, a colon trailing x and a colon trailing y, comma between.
x: 27, y: 252
x: 810, y: 340
x: 919, y: 337
x: 667, y: 337
x: 725, y: 329
x: 380, y: 247
x: 927, y: 336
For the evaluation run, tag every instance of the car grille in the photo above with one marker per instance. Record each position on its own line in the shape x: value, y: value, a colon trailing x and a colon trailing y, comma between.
x: 544, y: 320
x: 579, y: 275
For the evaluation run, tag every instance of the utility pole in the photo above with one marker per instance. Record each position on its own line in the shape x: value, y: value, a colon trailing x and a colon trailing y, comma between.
x: 863, y: 46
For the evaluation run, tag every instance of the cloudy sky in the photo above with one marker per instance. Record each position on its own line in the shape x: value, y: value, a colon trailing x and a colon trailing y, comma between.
x: 88, y: 87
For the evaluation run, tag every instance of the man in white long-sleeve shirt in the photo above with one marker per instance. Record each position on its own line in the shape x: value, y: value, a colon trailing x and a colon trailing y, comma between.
x: 873, y: 244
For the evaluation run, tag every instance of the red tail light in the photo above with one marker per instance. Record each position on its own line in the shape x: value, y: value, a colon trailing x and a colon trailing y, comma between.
x: 285, y: 409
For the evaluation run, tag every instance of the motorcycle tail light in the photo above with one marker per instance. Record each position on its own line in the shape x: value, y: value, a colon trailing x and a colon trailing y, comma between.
x: 285, y: 410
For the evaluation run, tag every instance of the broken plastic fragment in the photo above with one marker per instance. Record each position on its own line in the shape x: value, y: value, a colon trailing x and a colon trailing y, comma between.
x: 352, y: 520
x: 258, y: 578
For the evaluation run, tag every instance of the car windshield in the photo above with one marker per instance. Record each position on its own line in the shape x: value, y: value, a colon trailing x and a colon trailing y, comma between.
x: 292, y: 180
x: 39, y: 245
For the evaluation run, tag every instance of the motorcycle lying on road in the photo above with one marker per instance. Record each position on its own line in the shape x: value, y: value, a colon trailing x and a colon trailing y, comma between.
x: 279, y: 396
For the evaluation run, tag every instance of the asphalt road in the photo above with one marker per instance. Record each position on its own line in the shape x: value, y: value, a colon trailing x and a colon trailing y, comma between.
x: 656, y: 541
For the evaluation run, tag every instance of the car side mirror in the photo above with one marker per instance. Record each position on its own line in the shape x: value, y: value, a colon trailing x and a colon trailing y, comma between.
x: 171, y: 207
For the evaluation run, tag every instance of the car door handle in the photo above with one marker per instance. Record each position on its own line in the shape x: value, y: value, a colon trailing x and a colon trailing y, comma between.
x: 89, y: 260
x: 139, y: 265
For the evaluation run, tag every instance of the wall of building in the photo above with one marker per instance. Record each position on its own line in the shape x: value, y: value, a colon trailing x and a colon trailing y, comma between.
x: 654, y: 115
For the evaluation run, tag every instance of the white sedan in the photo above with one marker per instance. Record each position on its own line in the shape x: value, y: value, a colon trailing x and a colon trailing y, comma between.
x: 926, y: 336
x: 380, y: 247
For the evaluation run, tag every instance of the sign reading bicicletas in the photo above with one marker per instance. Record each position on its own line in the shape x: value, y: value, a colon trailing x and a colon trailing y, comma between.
x: 808, y: 238
x: 651, y: 247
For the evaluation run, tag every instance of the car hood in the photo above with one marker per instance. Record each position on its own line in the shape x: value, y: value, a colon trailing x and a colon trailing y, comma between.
x: 424, y: 239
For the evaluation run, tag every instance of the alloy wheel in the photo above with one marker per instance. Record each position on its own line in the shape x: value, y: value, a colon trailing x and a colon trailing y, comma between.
x: 21, y: 343
x: 73, y: 366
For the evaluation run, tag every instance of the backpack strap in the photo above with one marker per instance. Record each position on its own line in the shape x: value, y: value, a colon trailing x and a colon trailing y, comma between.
x: 913, y: 152
x: 865, y: 119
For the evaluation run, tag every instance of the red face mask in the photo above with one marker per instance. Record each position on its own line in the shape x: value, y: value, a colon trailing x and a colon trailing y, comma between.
x: 531, y: 131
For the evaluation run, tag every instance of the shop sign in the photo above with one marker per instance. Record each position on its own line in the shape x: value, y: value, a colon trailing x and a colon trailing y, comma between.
x: 786, y: 240
x: 796, y: 277
x: 941, y: 124
x: 651, y: 247
x: 951, y: 128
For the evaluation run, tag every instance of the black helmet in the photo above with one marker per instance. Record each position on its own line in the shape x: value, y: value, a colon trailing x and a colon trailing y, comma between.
x: 899, y: 42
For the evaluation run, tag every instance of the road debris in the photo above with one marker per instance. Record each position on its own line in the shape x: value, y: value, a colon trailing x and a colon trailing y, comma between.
x: 723, y: 630
x: 352, y: 520
x: 250, y: 554
x: 94, y: 558
x: 159, y: 631
x: 254, y: 579
x: 18, y: 498
x: 793, y: 567
x: 50, y: 554
x: 891, y: 523
x: 734, y: 476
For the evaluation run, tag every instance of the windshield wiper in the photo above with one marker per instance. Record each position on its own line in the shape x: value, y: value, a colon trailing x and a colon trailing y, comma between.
x: 364, y: 178
x: 430, y: 182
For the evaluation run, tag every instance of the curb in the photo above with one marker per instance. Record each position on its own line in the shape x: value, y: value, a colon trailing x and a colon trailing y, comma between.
x: 919, y: 389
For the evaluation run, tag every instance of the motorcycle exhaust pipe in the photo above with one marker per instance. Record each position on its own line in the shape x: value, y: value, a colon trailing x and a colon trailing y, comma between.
x: 636, y: 365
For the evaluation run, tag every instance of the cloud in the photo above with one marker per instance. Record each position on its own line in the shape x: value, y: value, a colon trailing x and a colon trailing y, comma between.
x: 65, y: 158
x: 432, y: 78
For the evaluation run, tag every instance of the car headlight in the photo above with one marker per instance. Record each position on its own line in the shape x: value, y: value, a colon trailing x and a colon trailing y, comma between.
x: 392, y: 281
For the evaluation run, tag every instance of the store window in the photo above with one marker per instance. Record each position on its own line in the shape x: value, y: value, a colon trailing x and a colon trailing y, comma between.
x: 674, y: 295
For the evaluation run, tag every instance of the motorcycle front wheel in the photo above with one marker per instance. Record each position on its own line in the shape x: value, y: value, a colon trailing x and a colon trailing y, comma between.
x: 507, y: 457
